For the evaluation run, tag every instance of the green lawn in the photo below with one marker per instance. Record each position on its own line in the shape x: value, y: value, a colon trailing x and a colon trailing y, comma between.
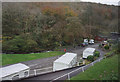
x: 16, y: 58
x: 107, y: 69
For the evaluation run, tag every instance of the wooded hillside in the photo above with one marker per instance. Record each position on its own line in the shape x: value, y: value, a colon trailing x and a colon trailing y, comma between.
x: 35, y: 27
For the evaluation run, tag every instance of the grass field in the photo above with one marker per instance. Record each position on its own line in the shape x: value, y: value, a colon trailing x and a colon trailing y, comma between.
x: 16, y: 58
x: 107, y: 69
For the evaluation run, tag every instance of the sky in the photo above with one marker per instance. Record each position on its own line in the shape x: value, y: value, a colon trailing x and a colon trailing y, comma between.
x: 109, y: 2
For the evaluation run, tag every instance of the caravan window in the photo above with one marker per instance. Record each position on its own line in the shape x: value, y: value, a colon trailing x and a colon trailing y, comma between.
x: 26, y: 74
x: 15, y: 77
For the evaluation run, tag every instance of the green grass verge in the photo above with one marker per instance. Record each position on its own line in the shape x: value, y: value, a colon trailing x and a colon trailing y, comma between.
x: 16, y: 58
x: 107, y: 69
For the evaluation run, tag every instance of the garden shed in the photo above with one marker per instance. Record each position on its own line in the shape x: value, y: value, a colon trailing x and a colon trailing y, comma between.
x: 88, y: 51
x: 68, y: 60
x: 14, y: 72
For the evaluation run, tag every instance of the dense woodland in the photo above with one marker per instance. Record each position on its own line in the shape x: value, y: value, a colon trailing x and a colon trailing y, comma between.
x: 35, y: 27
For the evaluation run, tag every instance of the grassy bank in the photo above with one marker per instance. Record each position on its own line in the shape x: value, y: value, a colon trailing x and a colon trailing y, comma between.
x: 16, y: 58
x: 107, y: 69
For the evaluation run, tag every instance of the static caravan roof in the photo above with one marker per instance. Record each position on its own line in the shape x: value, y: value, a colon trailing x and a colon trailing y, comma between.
x: 8, y: 70
x: 89, y: 50
x: 66, y: 58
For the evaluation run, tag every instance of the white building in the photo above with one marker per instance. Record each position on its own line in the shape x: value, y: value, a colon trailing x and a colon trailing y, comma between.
x: 86, y: 40
x: 68, y: 60
x: 14, y: 72
x: 88, y: 51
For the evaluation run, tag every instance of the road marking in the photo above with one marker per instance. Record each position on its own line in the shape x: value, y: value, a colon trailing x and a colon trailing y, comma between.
x: 44, y: 68
x: 58, y: 77
x: 66, y: 74
x: 32, y: 65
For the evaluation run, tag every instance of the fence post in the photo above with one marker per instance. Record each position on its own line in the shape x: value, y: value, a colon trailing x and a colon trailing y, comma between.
x: 68, y: 76
x: 29, y: 73
x: 83, y: 69
x: 35, y: 72
x: 92, y: 63
x: 99, y: 60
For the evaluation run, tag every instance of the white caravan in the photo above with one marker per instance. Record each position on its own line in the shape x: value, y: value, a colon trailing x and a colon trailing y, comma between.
x: 88, y: 51
x: 68, y: 60
x: 14, y: 72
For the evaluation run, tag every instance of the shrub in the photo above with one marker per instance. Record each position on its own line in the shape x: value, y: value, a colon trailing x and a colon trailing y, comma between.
x: 14, y: 45
x: 90, y: 58
x: 100, y: 45
x: 97, y: 53
x: 106, y: 47
x: 19, y: 45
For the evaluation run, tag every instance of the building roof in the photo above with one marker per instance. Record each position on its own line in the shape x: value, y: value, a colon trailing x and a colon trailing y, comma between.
x: 8, y: 70
x: 66, y: 58
x: 89, y: 50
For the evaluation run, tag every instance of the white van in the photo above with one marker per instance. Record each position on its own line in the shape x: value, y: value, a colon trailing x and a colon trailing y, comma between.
x: 91, y: 41
x: 86, y: 40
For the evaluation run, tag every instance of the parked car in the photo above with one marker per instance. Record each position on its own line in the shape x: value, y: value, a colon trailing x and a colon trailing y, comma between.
x: 84, y: 44
x: 91, y: 41
x: 104, y: 43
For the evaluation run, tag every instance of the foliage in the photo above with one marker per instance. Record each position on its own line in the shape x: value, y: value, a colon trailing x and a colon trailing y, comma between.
x: 58, y: 12
x: 97, y: 53
x: 90, y: 58
x: 116, y: 47
x: 19, y: 45
x: 109, y: 53
x: 106, y: 47
x: 45, y: 26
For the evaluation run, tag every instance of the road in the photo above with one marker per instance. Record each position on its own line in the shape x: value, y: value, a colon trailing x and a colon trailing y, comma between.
x: 57, y: 75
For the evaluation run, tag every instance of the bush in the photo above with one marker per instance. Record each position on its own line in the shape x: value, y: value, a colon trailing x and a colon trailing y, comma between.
x: 19, y: 45
x: 97, y: 53
x: 90, y: 58
x: 100, y: 45
x: 106, y: 47
x: 14, y: 45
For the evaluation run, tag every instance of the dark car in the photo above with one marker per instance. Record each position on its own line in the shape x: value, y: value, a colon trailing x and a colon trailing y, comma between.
x: 83, y: 44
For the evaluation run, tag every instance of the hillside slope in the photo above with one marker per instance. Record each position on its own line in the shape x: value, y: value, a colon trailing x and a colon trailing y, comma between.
x: 107, y: 69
